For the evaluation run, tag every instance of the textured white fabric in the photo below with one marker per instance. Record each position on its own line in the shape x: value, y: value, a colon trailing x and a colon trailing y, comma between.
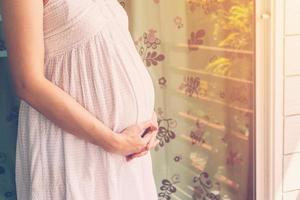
x: 90, y: 54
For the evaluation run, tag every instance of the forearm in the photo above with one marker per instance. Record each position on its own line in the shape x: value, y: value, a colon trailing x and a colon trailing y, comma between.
x: 63, y: 110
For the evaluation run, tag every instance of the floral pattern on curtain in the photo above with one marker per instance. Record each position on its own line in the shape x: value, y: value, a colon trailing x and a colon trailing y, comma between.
x: 200, y: 54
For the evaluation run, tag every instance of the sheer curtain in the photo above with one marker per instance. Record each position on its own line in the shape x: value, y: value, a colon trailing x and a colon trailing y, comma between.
x: 200, y: 54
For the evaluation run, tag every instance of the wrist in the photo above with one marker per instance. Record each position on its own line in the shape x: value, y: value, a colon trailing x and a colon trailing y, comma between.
x: 114, y: 142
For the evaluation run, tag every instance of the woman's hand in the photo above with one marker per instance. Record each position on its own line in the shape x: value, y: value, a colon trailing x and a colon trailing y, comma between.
x: 129, y: 141
x: 152, y: 142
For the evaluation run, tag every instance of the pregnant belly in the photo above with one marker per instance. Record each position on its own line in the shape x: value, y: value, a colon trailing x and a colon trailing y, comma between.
x: 118, y: 96
x: 129, y: 79
x: 137, y: 98
x: 108, y: 78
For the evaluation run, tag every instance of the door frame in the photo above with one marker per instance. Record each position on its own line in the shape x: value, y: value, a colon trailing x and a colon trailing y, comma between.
x: 269, y: 98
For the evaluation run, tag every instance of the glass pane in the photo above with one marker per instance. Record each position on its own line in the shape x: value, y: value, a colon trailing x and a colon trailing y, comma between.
x: 200, y: 54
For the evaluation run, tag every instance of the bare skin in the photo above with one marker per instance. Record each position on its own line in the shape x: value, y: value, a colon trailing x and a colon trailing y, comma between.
x: 45, y: 2
x: 23, y: 29
x: 151, y: 144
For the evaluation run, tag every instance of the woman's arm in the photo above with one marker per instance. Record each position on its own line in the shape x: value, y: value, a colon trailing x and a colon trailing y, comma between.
x: 23, y: 28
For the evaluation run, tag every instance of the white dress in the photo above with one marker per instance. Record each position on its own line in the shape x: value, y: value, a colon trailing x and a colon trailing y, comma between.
x: 90, y: 54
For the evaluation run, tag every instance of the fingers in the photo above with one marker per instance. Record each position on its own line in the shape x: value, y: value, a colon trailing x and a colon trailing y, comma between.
x: 131, y: 156
x: 144, y: 152
x: 156, y: 142
x: 152, y: 141
x: 150, y: 145
x: 141, y: 142
x: 147, y: 138
x: 154, y: 134
x: 147, y: 130
x: 147, y: 124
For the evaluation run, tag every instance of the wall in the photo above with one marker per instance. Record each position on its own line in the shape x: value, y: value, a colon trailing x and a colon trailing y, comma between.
x: 291, y: 100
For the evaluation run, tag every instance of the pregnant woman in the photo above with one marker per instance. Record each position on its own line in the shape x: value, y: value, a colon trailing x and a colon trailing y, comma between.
x: 86, y: 100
